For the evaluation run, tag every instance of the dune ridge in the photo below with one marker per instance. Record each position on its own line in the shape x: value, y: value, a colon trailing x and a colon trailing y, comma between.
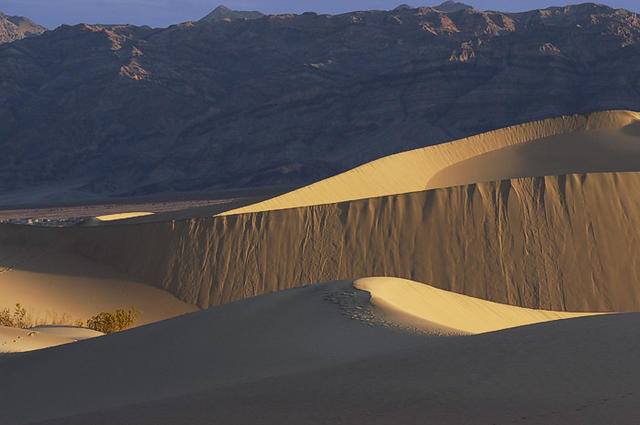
x: 447, y: 310
x: 423, y: 168
x: 123, y: 216
x: 563, y: 243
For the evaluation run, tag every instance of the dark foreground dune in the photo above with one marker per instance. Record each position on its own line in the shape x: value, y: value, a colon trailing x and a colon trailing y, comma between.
x: 330, y: 353
x: 317, y: 355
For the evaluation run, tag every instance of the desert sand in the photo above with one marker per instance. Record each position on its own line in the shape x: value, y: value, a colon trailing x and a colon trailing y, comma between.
x: 557, y: 243
x: 551, y: 242
x: 56, y: 287
x: 596, y: 142
x: 13, y: 340
x: 122, y: 216
x: 427, y: 308
x: 323, y: 328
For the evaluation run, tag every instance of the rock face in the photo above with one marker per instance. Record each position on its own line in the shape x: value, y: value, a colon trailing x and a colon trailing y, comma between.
x: 288, y: 99
x: 14, y: 28
x: 222, y: 12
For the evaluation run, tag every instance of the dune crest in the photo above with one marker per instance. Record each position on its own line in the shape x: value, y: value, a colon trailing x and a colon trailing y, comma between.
x: 451, y: 311
x: 123, y: 216
x: 425, y: 168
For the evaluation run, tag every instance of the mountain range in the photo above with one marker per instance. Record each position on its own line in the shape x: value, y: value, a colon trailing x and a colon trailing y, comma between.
x: 97, y: 111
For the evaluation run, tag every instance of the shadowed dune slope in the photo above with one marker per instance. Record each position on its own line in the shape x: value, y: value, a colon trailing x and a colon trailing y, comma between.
x: 569, y: 372
x: 319, y: 326
x: 557, y: 242
x: 272, y: 335
x: 595, y: 142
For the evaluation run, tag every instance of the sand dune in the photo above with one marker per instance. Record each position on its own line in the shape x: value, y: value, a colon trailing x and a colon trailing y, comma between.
x: 557, y: 242
x: 73, y: 332
x: 448, y: 311
x: 283, y: 344
x: 377, y: 350
x: 122, y: 216
x: 14, y: 340
x: 563, y: 243
x: 57, y: 287
x: 596, y: 142
x: 579, y: 372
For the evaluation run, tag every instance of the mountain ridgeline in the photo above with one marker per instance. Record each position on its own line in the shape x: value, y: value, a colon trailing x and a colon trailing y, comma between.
x: 290, y: 99
x: 223, y: 12
x: 14, y: 28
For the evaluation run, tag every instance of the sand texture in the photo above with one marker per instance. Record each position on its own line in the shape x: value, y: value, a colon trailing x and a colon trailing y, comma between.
x: 579, y: 372
x: 242, y: 345
x: 439, y: 309
x: 13, y: 340
x: 527, y: 235
x: 57, y: 287
x: 596, y: 142
x: 558, y: 243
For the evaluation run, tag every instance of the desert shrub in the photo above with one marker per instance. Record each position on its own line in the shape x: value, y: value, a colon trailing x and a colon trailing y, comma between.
x: 17, y: 319
x: 117, y: 321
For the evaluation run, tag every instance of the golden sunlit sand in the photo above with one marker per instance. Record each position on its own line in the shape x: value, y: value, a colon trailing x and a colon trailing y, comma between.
x: 122, y: 216
x: 596, y: 142
x: 13, y: 340
x: 447, y: 311
x: 55, y: 287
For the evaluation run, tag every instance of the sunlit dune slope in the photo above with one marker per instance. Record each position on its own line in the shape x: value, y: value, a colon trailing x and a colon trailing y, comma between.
x: 449, y: 310
x: 60, y: 287
x: 122, y: 216
x: 14, y: 340
x: 320, y: 354
x: 595, y: 142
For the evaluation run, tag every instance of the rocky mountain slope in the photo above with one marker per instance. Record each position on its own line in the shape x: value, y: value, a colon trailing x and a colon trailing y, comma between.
x: 289, y: 99
x: 14, y: 28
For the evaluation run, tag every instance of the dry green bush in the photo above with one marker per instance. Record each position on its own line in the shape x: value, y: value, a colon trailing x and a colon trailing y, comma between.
x: 119, y: 320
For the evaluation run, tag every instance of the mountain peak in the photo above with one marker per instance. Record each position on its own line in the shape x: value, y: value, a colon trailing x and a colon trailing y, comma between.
x: 402, y: 7
x: 452, y: 6
x: 13, y: 28
x: 223, y: 12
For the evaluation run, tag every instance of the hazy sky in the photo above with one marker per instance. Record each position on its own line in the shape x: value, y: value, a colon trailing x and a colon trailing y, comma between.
x: 161, y: 13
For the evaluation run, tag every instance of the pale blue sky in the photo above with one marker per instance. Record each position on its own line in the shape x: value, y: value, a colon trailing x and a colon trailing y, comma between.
x: 161, y: 13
